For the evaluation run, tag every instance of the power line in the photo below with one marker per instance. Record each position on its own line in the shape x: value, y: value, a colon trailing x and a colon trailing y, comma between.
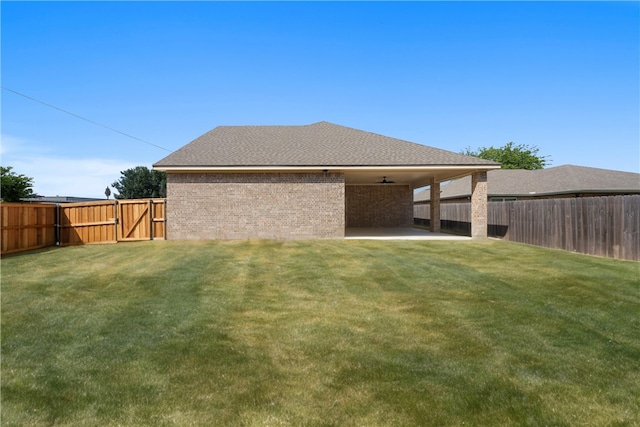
x: 84, y: 118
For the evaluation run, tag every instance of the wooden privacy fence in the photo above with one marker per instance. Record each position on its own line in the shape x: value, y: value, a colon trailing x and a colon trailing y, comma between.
x: 604, y: 226
x: 28, y: 226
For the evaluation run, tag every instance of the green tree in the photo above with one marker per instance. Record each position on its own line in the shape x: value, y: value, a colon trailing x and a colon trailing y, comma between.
x: 512, y: 156
x: 14, y: 187
x: 140, y: 183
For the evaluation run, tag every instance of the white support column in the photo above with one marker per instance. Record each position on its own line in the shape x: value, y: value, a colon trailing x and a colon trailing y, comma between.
x: 479, y: 205
x: 434, y: 206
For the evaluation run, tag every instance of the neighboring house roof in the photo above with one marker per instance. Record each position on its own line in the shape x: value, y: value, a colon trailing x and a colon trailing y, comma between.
x: 566, y: 179
x: 319, y: 144
x: 59, y: 199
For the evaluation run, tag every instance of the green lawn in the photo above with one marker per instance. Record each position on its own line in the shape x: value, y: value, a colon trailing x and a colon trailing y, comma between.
x: 324, y: 333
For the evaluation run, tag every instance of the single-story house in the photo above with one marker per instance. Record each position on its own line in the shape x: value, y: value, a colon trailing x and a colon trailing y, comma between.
x: 304, y: 182
x: 555, y: 182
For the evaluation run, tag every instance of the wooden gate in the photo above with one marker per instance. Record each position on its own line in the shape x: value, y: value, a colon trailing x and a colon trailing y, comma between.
x: 87, y: 222
x: 140, y: 219
x: 26, y: 226
x: 111, y: 221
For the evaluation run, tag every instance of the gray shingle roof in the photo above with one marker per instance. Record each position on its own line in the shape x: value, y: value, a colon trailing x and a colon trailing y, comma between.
x: 318, y: 144
x: 566, y: 179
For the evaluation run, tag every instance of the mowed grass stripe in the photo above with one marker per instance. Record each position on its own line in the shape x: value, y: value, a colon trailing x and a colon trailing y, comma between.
x: 319, y: 333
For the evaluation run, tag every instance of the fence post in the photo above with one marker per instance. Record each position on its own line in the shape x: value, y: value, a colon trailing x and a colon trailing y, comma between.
x: 115, y: 219
x: 57, y: 221
x: 150, y: 219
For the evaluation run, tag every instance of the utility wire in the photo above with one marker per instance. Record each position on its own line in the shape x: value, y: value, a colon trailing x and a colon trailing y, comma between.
x: 84, y: 118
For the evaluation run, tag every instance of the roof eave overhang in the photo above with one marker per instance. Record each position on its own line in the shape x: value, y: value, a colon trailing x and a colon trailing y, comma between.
x: 414, y: 175
x: 535, y: 194
x: 322, y: 168
x: 568, y: 193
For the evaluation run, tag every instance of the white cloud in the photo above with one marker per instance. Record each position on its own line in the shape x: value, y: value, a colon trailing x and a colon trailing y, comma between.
x: 11, y: 144
x: 55, y: 175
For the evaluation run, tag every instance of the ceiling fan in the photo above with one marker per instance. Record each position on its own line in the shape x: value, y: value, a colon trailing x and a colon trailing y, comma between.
x: 384, y: 181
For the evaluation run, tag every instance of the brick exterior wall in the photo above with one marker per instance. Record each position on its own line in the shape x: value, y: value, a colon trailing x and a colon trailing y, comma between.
x: 434, y: 207
x: 255, y: 205
x: 379, y: 206
x: 479, y: 205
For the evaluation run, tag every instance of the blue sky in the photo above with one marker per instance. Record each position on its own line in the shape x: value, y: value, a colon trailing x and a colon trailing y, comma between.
x: 563, y: 76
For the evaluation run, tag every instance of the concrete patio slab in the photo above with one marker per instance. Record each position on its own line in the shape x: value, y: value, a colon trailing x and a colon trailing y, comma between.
x: 397, y: 233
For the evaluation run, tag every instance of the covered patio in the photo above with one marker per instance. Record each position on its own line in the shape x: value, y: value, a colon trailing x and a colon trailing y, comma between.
x: 379, y: 200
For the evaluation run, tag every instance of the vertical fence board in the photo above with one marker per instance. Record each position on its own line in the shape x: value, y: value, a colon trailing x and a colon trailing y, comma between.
x: 580, y: 221
x: 608, y: 227
x: 631, y: 234
x: 570, y: 218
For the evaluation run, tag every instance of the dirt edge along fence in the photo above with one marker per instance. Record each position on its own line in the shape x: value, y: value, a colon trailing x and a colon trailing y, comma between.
x: 607, y: 226
x: 27, y: 226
